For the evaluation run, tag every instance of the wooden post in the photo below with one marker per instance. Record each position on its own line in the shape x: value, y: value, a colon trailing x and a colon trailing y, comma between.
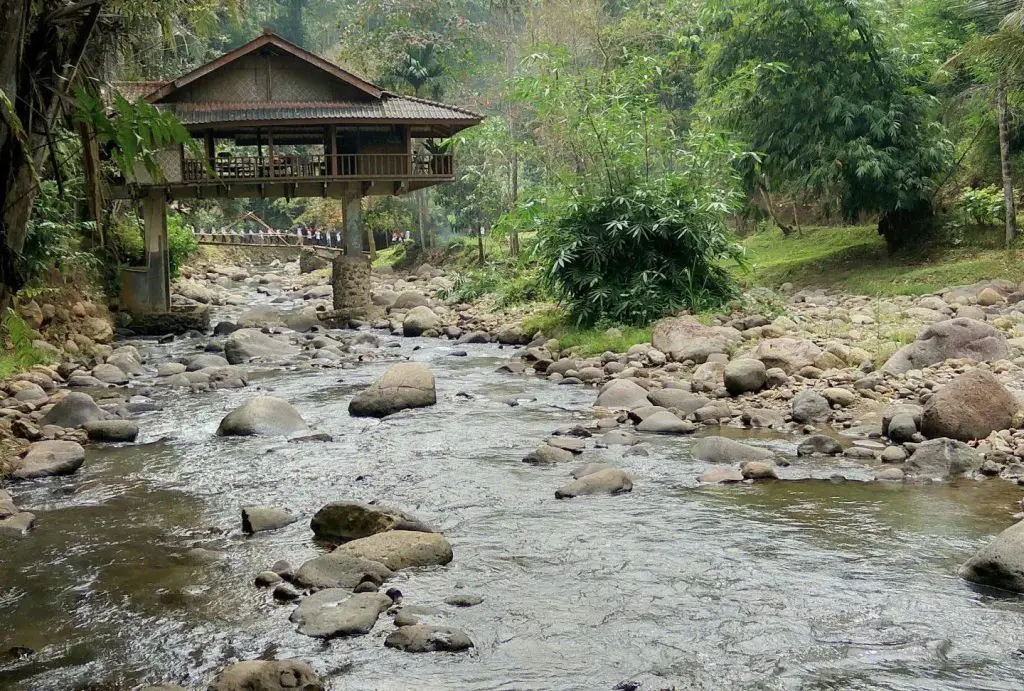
x: 259, y: 152
x: 211, y: 154
x: 332, y: 133
x: 270, y: 151
x: 94, y: 195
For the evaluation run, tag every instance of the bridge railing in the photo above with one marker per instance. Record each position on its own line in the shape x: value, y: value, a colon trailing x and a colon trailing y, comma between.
x: 342, y: 166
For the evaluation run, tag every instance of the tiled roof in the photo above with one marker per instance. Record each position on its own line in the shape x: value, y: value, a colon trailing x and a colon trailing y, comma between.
x: 390, y: 108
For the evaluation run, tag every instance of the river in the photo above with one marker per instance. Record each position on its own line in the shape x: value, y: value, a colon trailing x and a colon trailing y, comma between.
x: 783, y: 585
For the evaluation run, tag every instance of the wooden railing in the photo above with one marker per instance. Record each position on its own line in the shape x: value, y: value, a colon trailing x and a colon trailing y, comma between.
x: 355, y: 166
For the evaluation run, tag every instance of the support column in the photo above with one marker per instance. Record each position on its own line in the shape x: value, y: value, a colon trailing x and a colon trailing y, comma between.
x: 158, y: 267
x: 350, y: 273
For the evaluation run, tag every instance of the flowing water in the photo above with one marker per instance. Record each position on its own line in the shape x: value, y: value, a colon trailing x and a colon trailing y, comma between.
x: 787, y: 585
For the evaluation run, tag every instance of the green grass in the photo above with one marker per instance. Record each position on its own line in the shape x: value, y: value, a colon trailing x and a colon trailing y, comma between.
x: 554, y: 323
x: 854, y: 259
x: 19, y: 353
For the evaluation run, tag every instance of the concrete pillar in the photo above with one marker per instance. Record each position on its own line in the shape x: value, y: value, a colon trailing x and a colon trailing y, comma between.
x: 158, y: 274
x: 350, y: 273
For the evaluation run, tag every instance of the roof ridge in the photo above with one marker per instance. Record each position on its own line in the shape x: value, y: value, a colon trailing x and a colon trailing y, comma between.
x: 429, y: 102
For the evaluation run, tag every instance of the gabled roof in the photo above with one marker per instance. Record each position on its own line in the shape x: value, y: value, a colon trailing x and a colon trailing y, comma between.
x: 268, y: 38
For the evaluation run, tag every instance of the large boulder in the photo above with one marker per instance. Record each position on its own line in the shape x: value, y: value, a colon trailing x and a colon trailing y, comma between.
x: 268, y: 675
x: 260, y: 519
x: 622, y: 393
x: 1000, y: 563
x: 410, y: 299
x: 111, y: 430
x: 247, y: 344
x: 665, y: 422
x: 809, y: 406
x: 787, y: 354
x: 265, y: 415
x: 338, y: 612
x: 971, y: 406
x: 685, y: 338
x: 406, y: 385
x: 953, y: 338
x: 724, y: 450
x: 401, y: 549
x: 745, y: 375
x: 420, y: 320
x: 310, y: 261
x: 109, y: 374
x: 945, y: 458
x: 683, y: 401
x: 73, y: 411
x: 421, y: 638
x: 607, y: 481
x: 338, y: 570
x: 49, y: 458
x: 204, y: 360
x: 351, y: 520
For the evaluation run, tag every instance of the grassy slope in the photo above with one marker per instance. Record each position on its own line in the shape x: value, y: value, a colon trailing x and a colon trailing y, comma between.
x: 853, y: 258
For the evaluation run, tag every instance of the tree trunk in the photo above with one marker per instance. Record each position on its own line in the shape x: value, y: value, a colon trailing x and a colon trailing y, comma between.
x: 421, y: 215
x: 766, y: 195
x: 1004, y: 162
x: 515, y: 199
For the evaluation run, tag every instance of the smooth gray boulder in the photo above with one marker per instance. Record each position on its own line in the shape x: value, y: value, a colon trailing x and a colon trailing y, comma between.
x: 410, y: 299
x: 339, y: 570
x: 351, y: 520
x: 622, y: 393
x: 111, y: 430
x: 607, y: 481
x: 109, y: 374
x: 401, y: 549
x: 248, y: 344
x: 268, y: 675
x: 265, y: 415
x: 47, y: 459
x: 820, y: 444
x: 664, y: 422
x: 685, y: 338
x: 953, y: 338
x: 809, y: 406
x: 126, y: 363
x: 17, y: 525
x: 1000, y: 563
x: 745, y: 375
x: 945, y: 458
x: 421, y: 638
x: 204, y: 360
x: 337, y: 612
x: 902, y: 428
x: 406, y: 385
x: 74, y: 411
x: 259, y: 519
x: 683, y: 401
x: 724, y: 450
x: 420, y: 320
x: 787, y: 354
x: 971, y: 406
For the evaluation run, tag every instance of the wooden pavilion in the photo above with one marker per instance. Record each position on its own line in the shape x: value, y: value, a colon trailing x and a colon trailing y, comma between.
x: 273, y: 120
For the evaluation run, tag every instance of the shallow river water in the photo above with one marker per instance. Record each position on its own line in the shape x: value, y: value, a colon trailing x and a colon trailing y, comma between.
x: 786, y: 585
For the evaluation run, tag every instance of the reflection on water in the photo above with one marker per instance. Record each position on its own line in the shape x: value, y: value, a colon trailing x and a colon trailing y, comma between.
x: 138, y: 572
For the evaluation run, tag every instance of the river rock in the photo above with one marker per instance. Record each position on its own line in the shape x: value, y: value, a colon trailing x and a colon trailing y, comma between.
x: 419, y: 320
x: 169, y: 369
x: 788, y: 354
x: 720, y: 476
x: 49, y: 458
x: 204, y: 360
x: 622, y: 393
x: 745, y: 375
x: 685, y: 338
x: 126, y: 363
x: 7, y: 505
x: 548, y: 454
x: 819, y: 443
x: 683, y: 401
x: 809, y: 406
x: 944, y: 458
x: 265, y: 415
x: 724, y: 450
x: 268, y: 675
x: 970, y: 407
x: 17, y: 524
x: 953, y: 338
x: 351, y: 520
x: 401, y: 549
x: 258, y: 519
x: 902, y: 427
x: 421, y: 638
x: 588, y: 469
x: 759, y: 470
x: 409, y: 300
x: 844, y: 398
x: 406, y: 385
x: 111, y: 430
x: 109, y: 374
x: 248, y: 344
x: 607, y: 481
x: 1000, y: 563
x: 337, y: 612
x: 31, y: 393
x: 339, y: 570
x: 664, y: 422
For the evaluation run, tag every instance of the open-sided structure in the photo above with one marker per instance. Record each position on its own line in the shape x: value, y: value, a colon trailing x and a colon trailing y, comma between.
x: 274, y: 120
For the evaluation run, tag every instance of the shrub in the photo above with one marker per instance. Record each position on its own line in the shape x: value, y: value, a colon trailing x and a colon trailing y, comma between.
x: 181, y: 243
x: 19, y: 352
x: 53, y: 237
x: 635, y: 257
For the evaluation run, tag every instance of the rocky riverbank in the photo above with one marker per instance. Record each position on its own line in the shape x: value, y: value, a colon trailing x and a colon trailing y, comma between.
x: 817, y: 370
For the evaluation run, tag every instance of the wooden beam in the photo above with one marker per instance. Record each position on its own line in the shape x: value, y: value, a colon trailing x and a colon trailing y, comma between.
x: 270, y: 151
